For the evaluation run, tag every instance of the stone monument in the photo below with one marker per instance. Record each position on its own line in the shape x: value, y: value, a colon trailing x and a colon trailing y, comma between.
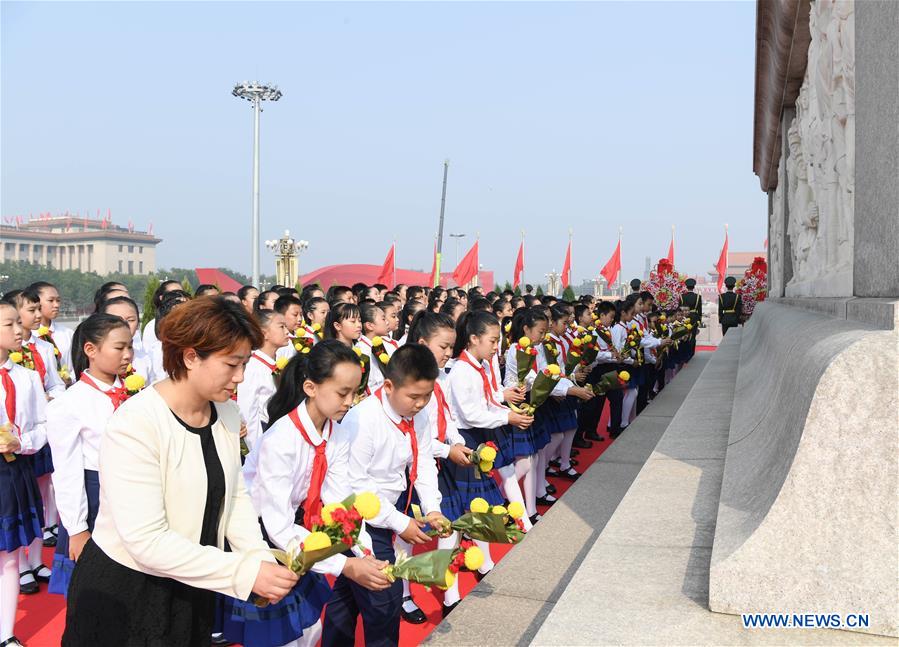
x: 807, y: 519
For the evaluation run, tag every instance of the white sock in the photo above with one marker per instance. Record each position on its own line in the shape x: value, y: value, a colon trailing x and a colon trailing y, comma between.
x: 9, y: 591
x: 35, y: 559
x: 529, y: 486
x: 401, y: 545
x: 540, y: 470
x: 488, y: 564
x: 512, y: 489
x: 45, y: 484
x: 565, y: 450
x: 24, y: 567
x: 451, y: 595
x: 627, y: 407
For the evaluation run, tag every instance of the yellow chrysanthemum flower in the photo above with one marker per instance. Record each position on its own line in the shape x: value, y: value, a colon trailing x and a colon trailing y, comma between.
x: 524, y: 342
x: 376, y: 341
x: 516, y: 510
x: 588, y: 339
x: 485, y: 466
x: 488, y: 454
x: 498, y: 509
x: 328, y: 509
x: 316, y: 327
x: 554, y: 369
x: 43, y: 331
x: 16, y: 357
x: 281, y: 362
x: 357, y: 350
x: 135, y: 382
x: 624, y: 375
x: 304, y: 350
x: 368, y: 505
x: 479, y: 505
x: 384, y: 358
x: 316, y: 541
x: 474, y: 558
x: 450, y: 580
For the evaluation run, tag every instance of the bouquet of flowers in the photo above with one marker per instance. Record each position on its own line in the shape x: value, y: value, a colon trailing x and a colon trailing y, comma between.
x: 632, y: 346
x: 495, y: 524
x: 524, y: 356
x: 505, y: 340
x: 44, y: 333
x: 315, y: 330
x: 552, y: 350
x: 543, y: 385
x: 753, y: 287
x: 588, y: 346
x: 666, y: 285
x: 134, y: 383
x: 680, y: 329
x: 23, y: 357
x: 6, y: 436
x: 611, y: 381
x: 483, y: 458
x: 436, y: 567
x: 378, y: 350
x: 303, y: 344
x: 365, y: 364
x: 333, y: 531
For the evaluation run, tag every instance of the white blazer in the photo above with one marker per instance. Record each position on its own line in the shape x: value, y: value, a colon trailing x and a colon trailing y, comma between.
x: 153, y: 493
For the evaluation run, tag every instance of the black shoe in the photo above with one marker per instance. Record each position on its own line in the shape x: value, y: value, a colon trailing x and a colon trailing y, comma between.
x: 573, y: 462
x: 50, y: 536
x: 449, y: 609
x: 40, y: 577
x: 12, y: 641
x: 535, y: 519
x: 550, y: 489
x: 574, y: 452
x: 543, y: 500
x: 581, y: 443
x: 570, y: 475
x: 28, y: 588
x: 219, y: 639
x: 478, y: 575
x: 416, y: 617
x: 592, y: 435
x: 556, y: 462
x: 614, y: 433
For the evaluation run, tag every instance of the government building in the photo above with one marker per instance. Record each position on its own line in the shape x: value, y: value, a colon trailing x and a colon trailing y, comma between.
x: 84, y: 244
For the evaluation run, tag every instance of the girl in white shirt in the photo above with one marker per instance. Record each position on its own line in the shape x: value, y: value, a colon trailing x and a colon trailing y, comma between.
x: 22, y: 414
x: 619, y: 340
x: 374, y: 325
x: 476, y: 408
x: 258, y: 384
x: 315, y: 313
x: 76, y: 421
x: 126, y: 308
x: 60, y: 336
x: 344, y: 323
x: 299, y: 464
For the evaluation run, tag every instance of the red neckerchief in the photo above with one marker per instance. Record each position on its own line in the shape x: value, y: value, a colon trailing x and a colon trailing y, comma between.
x: 117, y: 394
x: 442, y: 411
x: 49, y: 338
x: 493, y: 377
x: 271, y: 367
x: 313, y: 504
x: 560, y: 346
x: 365, y: 341
x: 39, y: 365
x: 488, y: 392
x: 10, y: 389
x: 387, y: 340
x: 408, y: 428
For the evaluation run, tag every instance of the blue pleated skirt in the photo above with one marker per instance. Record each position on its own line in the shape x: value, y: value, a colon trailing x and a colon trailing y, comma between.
x: 43, y: 461
x: 277, y: 624
x: 21, y: 507
x: 467, y: 486
x: 526, y: 442
x: 63, y: 567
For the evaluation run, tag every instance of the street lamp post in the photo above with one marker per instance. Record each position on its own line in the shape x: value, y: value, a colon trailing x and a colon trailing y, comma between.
x: 256, y: 93
x: 286, y: 251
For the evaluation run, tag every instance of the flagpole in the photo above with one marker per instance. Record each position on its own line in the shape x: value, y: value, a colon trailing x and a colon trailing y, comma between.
x: 522, y: 282
x: 620, y: 262
x: 440, y: 226
x: 571, y: 262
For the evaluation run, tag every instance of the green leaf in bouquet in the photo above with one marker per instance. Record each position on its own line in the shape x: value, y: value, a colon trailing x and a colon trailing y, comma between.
x: 483, y: 526
x: 524, y: 360
x: 542, y: 388
x: 428, y: 569
x: 608, y: 382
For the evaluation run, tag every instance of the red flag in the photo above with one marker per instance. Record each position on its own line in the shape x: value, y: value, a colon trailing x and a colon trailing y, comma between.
x: 519, y: 267
x: 722, y: 263
x: 388, y: 270
x: 766, y: 242
x: 566, y: 268
x: 610, y: 270
x: 671, y: 250
x: 131, y: 226
x: 468, y: 266
x: 150, y: 229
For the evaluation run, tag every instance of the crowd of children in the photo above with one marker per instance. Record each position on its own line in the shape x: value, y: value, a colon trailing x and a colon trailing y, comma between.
x: 357, y: 389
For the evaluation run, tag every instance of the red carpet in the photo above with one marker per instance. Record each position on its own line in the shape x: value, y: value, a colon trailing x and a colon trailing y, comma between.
x: 41, y: 618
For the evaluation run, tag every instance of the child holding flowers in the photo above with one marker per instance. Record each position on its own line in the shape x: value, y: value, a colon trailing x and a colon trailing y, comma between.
x: 296, y: 475
x: 315, y: 313
x: 475, y: 404
x: 57, y: 334
x: 76, y: 420
x: 22, y: 421
x: 438, y: 334
x: 291, y: 308
x: 371, y: 342
x: 344, y: 323
x: 390, y: 455
x: 620, y: 343
x: 258, y: 384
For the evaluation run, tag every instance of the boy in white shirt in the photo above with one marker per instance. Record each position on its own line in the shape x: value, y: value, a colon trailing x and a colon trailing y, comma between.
x: 390, y: 455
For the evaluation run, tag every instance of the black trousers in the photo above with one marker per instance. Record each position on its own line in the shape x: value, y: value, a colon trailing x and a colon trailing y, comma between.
x: 649, y: 379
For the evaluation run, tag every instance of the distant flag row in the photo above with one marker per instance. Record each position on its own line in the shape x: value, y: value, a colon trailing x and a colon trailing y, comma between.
x: 105, y: 221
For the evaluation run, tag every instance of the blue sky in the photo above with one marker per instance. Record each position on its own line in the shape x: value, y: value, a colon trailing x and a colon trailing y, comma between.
x: 553, y: 115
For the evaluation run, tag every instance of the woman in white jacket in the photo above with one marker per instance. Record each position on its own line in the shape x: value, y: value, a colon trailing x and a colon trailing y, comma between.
x: 172, y: 494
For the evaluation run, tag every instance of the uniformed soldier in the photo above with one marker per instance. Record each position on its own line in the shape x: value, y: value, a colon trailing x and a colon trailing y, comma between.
x: 635, y: 286
x: 729, y: 306
x: 692, y: 301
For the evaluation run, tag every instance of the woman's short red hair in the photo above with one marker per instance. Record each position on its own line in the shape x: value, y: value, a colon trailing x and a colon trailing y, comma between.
x: 209, y: 325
